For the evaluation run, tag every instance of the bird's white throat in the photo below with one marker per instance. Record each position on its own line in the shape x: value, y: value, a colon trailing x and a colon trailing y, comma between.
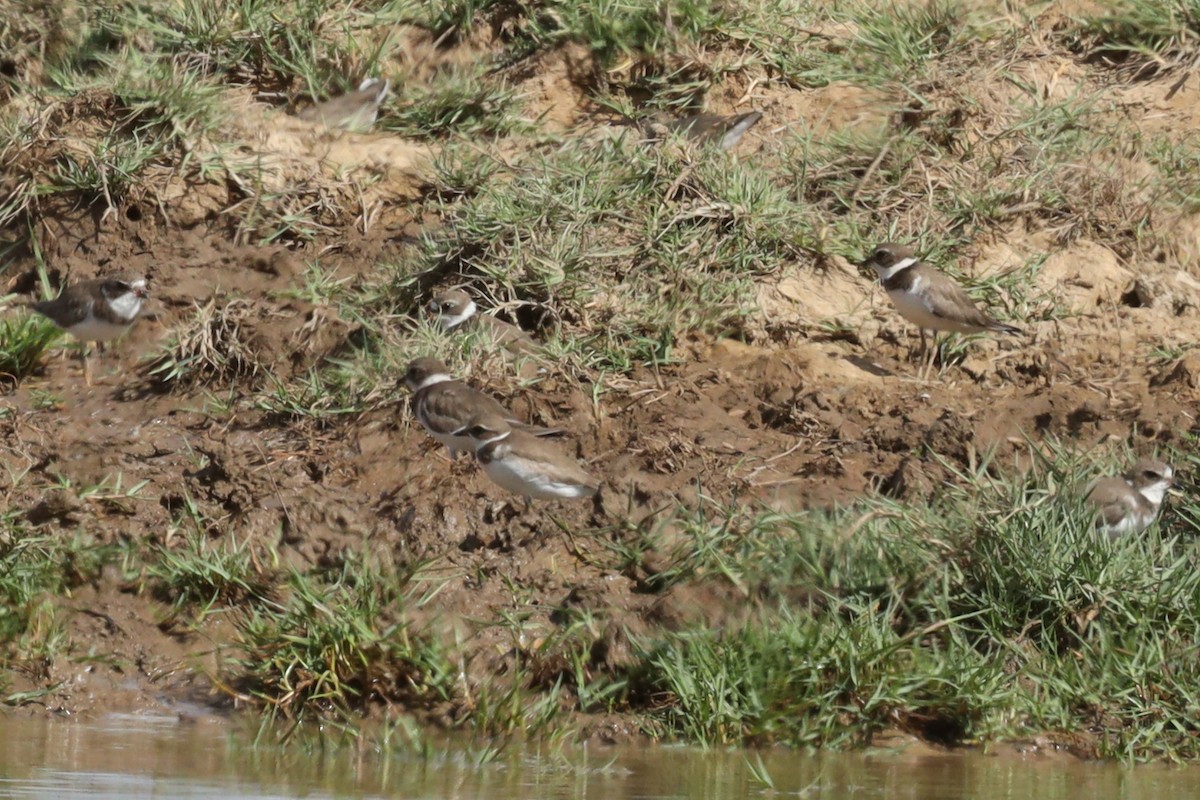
x: 451, y: 321
x: 1155, y: 492
x: 126, y: 306
x: 886, y: 273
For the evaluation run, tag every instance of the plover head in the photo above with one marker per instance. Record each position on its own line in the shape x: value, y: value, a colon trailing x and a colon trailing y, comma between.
x: 889, y: 258
x: 424, y: 372
x: 1151, y: 479
x: 487, y: 428
x: 452, y: 307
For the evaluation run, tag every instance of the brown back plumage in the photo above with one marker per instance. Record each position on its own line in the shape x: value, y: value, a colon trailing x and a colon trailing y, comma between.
x: 448, y: 406
x: 1122, y: 504
x: 717, y: 129
x: 947, y: 299
x: 930, y: 293
x: 352, y: 111
x: 77, y: 300
x: 452, y: 303
x: 1114, y: 499
x: 499, y: 440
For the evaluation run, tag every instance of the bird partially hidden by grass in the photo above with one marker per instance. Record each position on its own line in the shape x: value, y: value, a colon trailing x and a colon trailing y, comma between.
x: 455, y: 310
x: 353, y: 111
x: 703, y: 129
x: 1129, y: 503
x: 98, y: 310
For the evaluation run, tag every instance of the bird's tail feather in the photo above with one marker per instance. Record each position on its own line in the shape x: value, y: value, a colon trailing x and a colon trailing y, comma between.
x: 739, y: 128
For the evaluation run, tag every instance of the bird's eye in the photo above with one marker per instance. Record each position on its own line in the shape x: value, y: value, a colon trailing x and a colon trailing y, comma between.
x: 1151, y: 474
x: 448, y: 305
x: 879, y: 255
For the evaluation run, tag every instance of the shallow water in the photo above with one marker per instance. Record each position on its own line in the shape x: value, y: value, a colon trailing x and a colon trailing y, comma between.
x: 134, y: 756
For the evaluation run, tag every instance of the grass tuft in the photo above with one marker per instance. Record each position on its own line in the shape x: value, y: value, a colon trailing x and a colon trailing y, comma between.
x: 922, y: 616
x: 23, y: 340
x: 200, y: 573
x: 459, y: 102
x: 1142, y: 38
x: 339, y: 642
x: 214, y: 345
x: 36, y: 573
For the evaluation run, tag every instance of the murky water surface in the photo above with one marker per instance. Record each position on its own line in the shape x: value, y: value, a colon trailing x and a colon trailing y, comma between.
x: 159, y: 757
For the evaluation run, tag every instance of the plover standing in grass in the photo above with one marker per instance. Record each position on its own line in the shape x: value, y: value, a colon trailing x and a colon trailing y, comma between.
x: 97, y: 310
x: 455, y: 310
x: 723, y: 131
x: 1130, y: 502
x: 534, y: 468
x: 353, y: 111
x: 926, y: 297
x: 445, y: 407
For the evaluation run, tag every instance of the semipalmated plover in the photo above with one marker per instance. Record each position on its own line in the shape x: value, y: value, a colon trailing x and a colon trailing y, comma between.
x: 926, y: 297
x: 455, y: 310
x: 445, y: 407
x: 97, y: 310
x: 1130, y: 502
x: 353, y: 111
x: 522, y: 463
x: 715, y: 129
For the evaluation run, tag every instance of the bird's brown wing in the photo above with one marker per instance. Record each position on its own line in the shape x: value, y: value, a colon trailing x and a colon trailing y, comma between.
x: 737, y: 128
x: 953, y: 302
x: 353, y: 110
x: 553, y: 462
x: 71, y: 306
x: 507, y: 335
x: 1110, y: 498
x: 716, y: 129
x: 448, y: 407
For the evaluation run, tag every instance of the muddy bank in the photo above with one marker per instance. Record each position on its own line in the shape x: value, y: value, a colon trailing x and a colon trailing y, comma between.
x: 171, y: 517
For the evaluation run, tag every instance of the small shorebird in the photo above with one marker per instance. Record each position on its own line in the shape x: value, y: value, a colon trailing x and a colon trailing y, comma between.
x: 97, y: 310
x: 704, y: 129
x: 926, y: 297
x: 520, y: 462
x: 455, y: 310
x: 1130, y: 502
x: 353, y: 111
x: 445, y: 407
